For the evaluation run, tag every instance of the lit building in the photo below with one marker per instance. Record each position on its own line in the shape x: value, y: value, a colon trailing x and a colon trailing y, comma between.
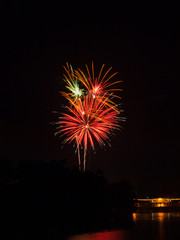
x: 157, y: 203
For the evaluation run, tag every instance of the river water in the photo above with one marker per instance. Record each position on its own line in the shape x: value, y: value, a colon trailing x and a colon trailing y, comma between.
x: 146, y: 226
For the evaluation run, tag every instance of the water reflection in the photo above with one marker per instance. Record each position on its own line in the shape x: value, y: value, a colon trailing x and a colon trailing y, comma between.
x: 147, y: 226
x: 108, y: 235
x: 158, y: 221
x: 155, y: 216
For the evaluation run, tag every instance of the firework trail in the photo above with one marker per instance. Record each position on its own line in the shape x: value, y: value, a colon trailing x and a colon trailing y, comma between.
x: 91, y: 115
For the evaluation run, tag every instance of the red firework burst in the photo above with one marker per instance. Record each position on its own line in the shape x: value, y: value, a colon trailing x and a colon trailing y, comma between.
x: 91, y: 115
x: 87, y: 120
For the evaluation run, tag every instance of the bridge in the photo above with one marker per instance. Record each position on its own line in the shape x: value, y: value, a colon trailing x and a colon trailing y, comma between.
x: 157, y: 202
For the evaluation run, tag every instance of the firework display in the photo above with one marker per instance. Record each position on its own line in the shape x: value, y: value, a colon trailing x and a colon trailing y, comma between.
x: 92, y: 113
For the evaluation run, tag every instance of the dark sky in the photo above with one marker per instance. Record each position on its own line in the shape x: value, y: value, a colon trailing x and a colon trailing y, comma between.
x: 140, y: 41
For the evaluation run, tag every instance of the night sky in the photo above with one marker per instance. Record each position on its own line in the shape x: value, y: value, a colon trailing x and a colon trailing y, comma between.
x: 141, y: 42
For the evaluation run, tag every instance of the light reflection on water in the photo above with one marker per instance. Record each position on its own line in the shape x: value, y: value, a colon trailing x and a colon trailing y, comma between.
x: 159, y: 222
x: 155, y: 216
x: 147, y: 226
x: 107, y: 235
